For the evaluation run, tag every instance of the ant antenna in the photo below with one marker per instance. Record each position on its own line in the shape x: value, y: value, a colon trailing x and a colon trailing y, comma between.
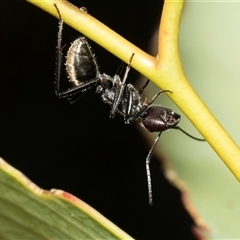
x: 189, y: 135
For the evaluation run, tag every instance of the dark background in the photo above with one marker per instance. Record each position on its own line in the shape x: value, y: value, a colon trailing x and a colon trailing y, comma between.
x: 77, y: 148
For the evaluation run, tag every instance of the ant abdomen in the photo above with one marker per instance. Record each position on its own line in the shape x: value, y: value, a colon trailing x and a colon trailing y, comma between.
x: 81, y: 64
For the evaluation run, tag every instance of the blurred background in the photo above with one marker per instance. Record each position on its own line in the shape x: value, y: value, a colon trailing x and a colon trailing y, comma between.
x: 78, y: 148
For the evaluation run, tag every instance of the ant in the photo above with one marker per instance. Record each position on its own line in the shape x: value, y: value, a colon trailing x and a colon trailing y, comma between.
x: 125, y: 99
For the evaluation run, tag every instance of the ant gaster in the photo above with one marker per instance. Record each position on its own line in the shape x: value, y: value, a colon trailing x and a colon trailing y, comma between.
x: 125, y: 99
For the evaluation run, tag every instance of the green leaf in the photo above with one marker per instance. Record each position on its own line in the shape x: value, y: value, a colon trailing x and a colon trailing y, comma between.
x: 28, y: 212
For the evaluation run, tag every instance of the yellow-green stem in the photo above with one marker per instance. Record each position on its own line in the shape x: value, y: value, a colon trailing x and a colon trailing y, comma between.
x: 165, y: 70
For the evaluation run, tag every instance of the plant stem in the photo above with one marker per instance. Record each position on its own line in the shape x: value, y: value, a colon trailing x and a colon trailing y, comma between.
x: 165, y: 70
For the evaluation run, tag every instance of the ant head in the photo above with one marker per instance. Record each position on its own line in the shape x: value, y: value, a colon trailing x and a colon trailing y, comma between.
x: 81, y: 64
x: 159, y: 119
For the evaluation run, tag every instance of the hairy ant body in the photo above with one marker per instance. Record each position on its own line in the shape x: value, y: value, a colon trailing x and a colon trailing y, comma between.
x: 125, y: 99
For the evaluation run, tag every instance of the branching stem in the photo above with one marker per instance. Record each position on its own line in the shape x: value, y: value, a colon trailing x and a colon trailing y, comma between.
x: 165, y: 70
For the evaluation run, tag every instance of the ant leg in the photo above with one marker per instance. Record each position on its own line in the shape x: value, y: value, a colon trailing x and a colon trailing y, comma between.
x: 148, y: 159
x: 128, y: 106
x: 77, y: 89
x: 129, y: 119
x: 119, y: 93
x: 143, y: 87
x: 59, y: 53
x: 159, y: 93
x: 74, y: 92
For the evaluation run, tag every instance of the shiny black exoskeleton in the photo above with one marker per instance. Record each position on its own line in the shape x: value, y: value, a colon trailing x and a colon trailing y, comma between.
x: 125, y: 99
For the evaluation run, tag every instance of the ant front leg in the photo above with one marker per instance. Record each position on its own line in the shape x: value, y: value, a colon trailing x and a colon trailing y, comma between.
x: 148, y: 159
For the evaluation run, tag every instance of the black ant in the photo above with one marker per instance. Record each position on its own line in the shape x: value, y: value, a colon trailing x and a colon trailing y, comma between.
x: 125, y: 99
